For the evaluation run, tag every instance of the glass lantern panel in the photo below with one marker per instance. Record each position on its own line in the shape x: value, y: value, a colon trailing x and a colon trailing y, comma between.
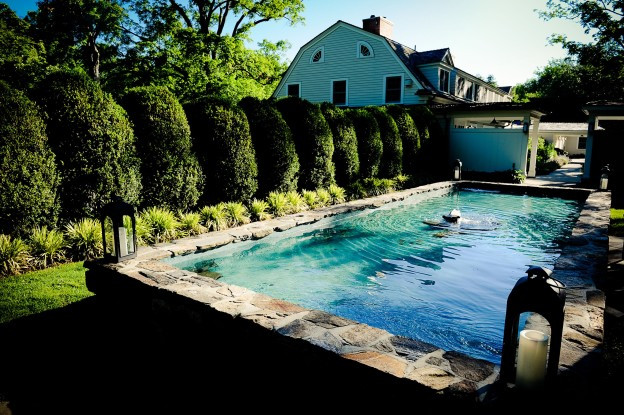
x: 108, y: 236
x: 126, y: 240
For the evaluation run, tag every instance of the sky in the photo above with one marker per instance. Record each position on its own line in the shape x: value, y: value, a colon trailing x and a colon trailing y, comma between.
x: 504, y: 38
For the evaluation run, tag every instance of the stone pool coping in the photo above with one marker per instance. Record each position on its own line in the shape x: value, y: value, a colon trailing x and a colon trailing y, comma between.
x: 443, y: 372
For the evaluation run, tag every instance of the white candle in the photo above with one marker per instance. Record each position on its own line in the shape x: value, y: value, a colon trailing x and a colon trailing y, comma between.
x: 123, y: 242
x: 532, y: 350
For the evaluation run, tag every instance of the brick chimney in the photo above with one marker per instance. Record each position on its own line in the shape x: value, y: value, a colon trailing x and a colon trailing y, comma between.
x: 378, y: 25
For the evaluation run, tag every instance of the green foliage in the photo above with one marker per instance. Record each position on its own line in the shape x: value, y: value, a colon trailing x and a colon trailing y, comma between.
x: 547, y: 159
x: 142, y: 229
x: 171, y: 174
x: 28, y: 178
x: 295, y: 202
x: 46, y: 246
x: 376, y: 187
x: 214, y: 217
x: 392, y: 155
x: 162, y: 224
x: 84, y: 238
x: 93, y: 142
x: 423, y: 119
x: 258, y: 210
x: 223, y: 146
x: 346, y: 157
x: 518, y: 176
x: 278, y: 163
x: 323, y: 197
x: 13, y: 255
x: 336, y: 193
x: 370, y: 146
x: 189, y: 224
x: 616, y: 226
x: 313, y: 141
x: 409, y: 137
x: 278, y: 204
x: 310, y: 198
x: 401, y: 181
x: 236, y: 214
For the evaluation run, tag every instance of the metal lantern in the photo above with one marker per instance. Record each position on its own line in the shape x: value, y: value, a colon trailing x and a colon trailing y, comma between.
x: 538, y: 293
x: 457, y: 167
x: 123, y: 238
x: 604, y: 177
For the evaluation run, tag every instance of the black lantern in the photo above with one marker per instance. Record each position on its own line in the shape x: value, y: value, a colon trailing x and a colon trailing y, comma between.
x: 457, y: 167
x: 117, y: 217
x: 540, y: 294
x: 604, y: 177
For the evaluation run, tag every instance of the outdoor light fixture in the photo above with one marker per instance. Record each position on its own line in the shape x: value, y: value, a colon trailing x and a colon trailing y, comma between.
x: 525, y: 127
x: 123, y: 239
x: 604, y: 177
x: 457, y: 167
x: 538, y: 293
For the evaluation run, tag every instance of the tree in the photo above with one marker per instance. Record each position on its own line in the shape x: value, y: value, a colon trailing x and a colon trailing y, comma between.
x: 392, y: 155
x: 409, y: 137
x: 346, y: 157
x: 370, y: 146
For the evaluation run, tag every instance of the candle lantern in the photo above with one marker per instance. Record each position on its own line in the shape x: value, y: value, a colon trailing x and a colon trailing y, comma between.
x: 457, y: 167
x: 122, y: 245
x: 538, y: 293
x: 604, y: 177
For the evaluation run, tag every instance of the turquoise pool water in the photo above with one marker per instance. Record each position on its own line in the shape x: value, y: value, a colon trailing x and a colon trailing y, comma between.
x: 388, y: 269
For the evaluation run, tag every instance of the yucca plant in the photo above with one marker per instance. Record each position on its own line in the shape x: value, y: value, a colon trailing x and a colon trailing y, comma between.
x: 190, y: 223
x: 401, y: 181
x: 387, y: 185
x: 46, y: 246
x: 214, y: 217
x: 295, y: 202
x: 13, y: 254
x: 309, y: 196
x: 278, y: 203
x: 336, y: 193
x: 258, y: 210
x: 143, y: 231
x: 236, y: 213
x: 162, y: 224
x: 323, y: 197
x: 84, y: 238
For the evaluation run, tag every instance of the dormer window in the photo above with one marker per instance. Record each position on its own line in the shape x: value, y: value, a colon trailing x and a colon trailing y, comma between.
x: 444, y: 80
x: 364, y: 50
x: 318, y: 55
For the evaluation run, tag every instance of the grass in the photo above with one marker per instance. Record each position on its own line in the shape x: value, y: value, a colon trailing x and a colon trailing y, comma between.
x: 38, y: 291
x: 617, y: 222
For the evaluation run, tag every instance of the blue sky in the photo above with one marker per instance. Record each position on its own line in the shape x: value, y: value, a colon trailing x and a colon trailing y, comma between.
x: 505, y: 38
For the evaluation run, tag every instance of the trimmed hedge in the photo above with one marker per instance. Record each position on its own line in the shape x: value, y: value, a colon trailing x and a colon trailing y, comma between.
x: 433, y: 154
x: 93, y: 142
x: 392, y: 155
x: 171, y: 174
x: 278, y: 163
x: 313, y: 141
x: 222, y: 143
x: 346, y: 157
x: 409, y: 137
x: 423, y: 118
x: 28, y: 178
x: 370, y: 146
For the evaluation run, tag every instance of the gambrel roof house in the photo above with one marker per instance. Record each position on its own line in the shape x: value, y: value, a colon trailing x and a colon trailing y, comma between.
x: 353, y: 66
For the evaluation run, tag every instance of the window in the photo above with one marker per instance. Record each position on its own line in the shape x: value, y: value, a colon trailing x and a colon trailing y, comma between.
x: 294, y: 90
x: 364, y: 50
x: 318, y: 55
x: 394, y: 89
x: 339, y: 92
x: 459, y: 89
x: 477, y: 92
x: 469, y: 91
x: 444, y: 80
x: 582, y: 143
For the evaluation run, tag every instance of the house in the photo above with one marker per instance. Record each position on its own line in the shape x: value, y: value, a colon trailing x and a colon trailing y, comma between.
x: 352, y: 66
x: 570, y: 137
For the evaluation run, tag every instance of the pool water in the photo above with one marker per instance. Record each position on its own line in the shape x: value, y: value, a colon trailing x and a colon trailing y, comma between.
x: 386, y: 267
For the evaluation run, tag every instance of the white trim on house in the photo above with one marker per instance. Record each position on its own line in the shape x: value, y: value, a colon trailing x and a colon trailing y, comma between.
x: 293, y: 83
x: 316, y: 51
x: 358, y: 50
x: 385, y: 101
x: 331, y: 91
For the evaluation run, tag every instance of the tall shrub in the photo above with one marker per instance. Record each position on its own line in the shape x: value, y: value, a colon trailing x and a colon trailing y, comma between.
x: 93, y: 142
x: 432, y: 157
x: 278, y: 163
x: 171, y: 174
x: 392, y: 155
x: 222, y: 143
x: 313, y: 141
x: 346, y: 157
x: 28, y: 175
x: 410, y: 138
x: 370, y: 146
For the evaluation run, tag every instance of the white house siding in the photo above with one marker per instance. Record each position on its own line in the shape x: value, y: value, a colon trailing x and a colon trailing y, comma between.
x: 489, y: 149
x: 566, y: 141
x: 365, y: 76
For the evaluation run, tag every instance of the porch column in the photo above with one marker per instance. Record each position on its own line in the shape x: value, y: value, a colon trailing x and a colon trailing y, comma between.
x: 534, y: 137
x: 591, y: 127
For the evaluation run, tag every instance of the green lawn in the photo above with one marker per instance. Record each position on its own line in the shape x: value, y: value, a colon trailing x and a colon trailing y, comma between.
x: 43, y: 290
x: 617, y: 222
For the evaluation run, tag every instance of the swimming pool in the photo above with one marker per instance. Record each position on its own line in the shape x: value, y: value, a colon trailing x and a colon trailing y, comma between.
x: 387, y: 268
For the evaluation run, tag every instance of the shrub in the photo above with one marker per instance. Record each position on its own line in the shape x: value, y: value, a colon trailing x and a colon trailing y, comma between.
x: 278, y: 163
x: 346, y: 157
x: 13, y: 253
x: 162, y: 224
x: 46, y: 246
x: 310, y: 198
x: 323, y: 197
x: 84, y: 238
x: 370, y: 146
x: 336, y: 193
x: 93, y: 142
x: 278, y: 204
x: 214, y: 217
x: 376, y: 187
x: 189, y: 224
x: 223, y: 146
x: 236, y: 214
x: 401, y: 181
x: 28, y: 178
x: 170, y: 171
x: 409, y: 136
x: 424, y: 121
x: 295, y: 202
x: 143, y: 231
x: 392, y: 155
x: 313, y: 141
x: 259, y: 209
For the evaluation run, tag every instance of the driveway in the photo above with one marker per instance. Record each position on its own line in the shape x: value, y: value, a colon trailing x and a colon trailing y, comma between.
x: 567, y: 176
